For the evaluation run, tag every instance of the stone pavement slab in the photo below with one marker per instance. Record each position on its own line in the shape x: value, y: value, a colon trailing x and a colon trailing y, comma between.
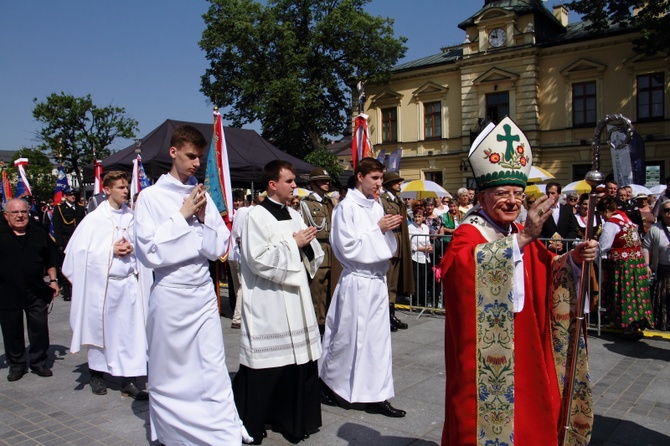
x: 631, y: 394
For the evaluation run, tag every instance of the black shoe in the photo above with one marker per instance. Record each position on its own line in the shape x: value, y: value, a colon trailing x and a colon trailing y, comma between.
x: 98, y: 386
x: 397, y: 323
x: 384, y: 408
x: 15, y: 373
x: 134, y: 392
x: 328, y: 396
x: 42, y: 371
x: 67, y: 298
x: 393, y: 328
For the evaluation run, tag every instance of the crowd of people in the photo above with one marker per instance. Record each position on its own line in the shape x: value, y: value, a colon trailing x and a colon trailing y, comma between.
x: 314, y: 283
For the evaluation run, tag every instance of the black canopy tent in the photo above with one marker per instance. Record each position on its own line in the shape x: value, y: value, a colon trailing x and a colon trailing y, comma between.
x: 248, y: 152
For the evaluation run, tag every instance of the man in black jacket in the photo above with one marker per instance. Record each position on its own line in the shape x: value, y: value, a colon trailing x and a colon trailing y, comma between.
x: 66, y: 216
x: 562, y: 225
x: 26, y: 253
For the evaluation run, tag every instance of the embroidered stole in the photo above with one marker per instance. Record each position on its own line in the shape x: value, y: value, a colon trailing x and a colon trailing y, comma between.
x: 494, y: 352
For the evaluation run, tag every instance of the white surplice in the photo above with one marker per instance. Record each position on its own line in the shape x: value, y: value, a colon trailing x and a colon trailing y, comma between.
x: 356, y: 361
x: 278, y: 320
x: 109, y: 300
x: 191, y: 400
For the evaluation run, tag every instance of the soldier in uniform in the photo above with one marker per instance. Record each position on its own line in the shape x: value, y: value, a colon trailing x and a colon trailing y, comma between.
x: 317, y: 211
x: 66, y: 216
x: 400, y: 277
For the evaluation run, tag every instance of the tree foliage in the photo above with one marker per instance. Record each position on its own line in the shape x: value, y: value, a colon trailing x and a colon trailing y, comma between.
x: 39, y: 172
x: 323, y: 158
x: 649, y: 17
x: 79, y: 130
x: 292, y: 64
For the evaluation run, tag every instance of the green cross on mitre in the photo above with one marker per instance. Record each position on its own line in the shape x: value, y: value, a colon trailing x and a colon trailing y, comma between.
x: 509, y: 152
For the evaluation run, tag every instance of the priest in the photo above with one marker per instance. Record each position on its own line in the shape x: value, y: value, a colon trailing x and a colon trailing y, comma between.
x: 278, y: 382
x: 109, y: 292
x: 508, y: 302
x: 178, y: 230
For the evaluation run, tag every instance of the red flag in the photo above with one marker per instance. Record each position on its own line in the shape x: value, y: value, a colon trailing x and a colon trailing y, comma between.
x: 97, y: 186
x: 6, y: 186
x: 361, y: 147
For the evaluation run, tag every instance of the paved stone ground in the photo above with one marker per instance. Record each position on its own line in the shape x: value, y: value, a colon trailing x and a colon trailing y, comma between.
x: 632, y: 396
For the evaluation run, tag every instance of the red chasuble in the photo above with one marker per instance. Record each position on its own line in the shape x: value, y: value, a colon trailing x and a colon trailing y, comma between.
x: 505, y: 370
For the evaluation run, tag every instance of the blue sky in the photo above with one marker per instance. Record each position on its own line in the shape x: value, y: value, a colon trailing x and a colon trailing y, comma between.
x: 143, y: 55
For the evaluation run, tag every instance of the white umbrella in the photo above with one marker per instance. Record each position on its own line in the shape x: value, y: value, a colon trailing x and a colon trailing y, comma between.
x: 658, y: 190
x: 538, y: 175
x: 637, y: 190
x: 420, y: 189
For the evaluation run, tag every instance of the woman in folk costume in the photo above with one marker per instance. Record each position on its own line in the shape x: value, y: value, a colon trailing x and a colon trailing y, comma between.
x: 656, y: 249
x: 508, y: 302
x: 626, y: 278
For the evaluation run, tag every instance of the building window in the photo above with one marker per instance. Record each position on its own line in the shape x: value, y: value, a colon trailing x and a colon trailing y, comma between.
x: 584, y: 104
x: 435, y: 177
x: 497, y: 106
x: 579, y: 171
x: 650, y: 96
x: 432, y: 120
x: 389, y: 124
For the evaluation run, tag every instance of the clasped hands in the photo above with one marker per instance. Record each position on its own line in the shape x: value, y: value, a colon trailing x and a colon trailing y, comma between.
x: 122, y: 248
x: 305, y: 236
x: 389, y: 222
x: 195, y: 204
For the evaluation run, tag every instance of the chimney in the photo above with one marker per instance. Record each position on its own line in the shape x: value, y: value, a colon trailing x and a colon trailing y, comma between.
x: 561, y: 14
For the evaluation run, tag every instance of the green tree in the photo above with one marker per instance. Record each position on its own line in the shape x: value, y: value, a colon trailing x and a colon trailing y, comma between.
x: 39, y: 172
x: 78, y: 130
x: 323, y: 158
x: 650, y: 17
x: 291, y: 65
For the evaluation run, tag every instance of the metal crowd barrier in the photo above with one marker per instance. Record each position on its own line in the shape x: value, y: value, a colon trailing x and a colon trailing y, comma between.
x: 429, y: 294
x: 593, y: 321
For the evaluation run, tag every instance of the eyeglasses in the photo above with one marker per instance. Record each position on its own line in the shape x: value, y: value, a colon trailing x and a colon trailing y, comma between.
x: 506, y: 195
x: 16, y: 212
x: 573, y: 198
x: 666, y: 210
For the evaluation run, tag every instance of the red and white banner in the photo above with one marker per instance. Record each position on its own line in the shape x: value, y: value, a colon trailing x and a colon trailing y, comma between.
x: 361, y: 147
x: 21, y: 163
x: 97, y: 186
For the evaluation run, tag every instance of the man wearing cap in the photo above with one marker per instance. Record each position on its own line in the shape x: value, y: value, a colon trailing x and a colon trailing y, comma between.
x: 66, y: 216
x: 317, y: 211
x: 399, y: 277
x: 508, y: 300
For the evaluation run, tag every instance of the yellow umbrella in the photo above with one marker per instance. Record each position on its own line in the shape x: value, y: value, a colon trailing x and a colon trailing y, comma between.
x: 536, y: 190
x: 420, y: 189
x: 301, y: 192
x: 538, y: 175
x: 581, y: 187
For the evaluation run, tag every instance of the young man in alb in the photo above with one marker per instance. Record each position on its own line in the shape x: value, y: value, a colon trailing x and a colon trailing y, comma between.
x: 109, y: 292
x: 178, y: 231
x: 357, y: 361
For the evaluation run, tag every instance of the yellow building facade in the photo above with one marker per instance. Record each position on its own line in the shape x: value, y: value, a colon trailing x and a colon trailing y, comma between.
x: 555, y: 80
